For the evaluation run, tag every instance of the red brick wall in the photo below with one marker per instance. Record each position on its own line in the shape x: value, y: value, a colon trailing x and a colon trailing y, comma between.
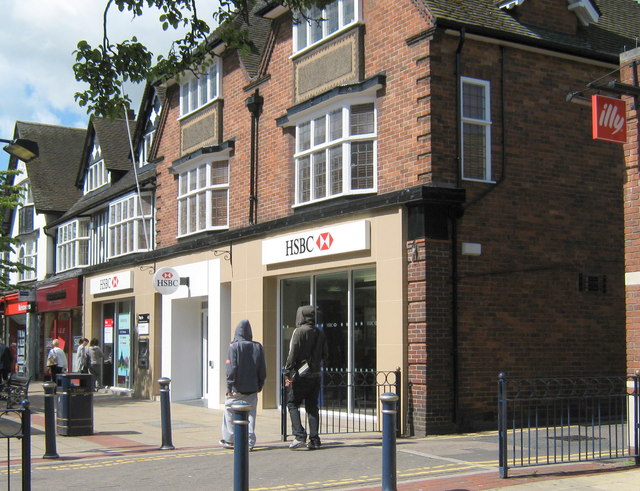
x: 550, y: 14
x: 632, y: 218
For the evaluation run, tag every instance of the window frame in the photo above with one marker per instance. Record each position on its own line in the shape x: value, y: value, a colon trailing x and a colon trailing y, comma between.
x: 131, y: 223
x: 342, y: 25
x: 69, y: 246
x: 28, y: 256
x: 484, y: 123
x: 96, y: 176
x: 191, y: 81
x: 346, y: 141
x: 189, y: 196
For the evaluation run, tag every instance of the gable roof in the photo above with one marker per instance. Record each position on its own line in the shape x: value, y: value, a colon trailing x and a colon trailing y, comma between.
x: 114, y: 144
x: 615, y: 32
x: 51, y: 173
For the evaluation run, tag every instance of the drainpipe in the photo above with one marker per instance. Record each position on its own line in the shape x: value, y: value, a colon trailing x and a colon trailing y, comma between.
x: 254, y: 104
x: 456, y: 214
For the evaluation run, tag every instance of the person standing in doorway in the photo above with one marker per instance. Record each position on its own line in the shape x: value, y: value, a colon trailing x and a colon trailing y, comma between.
x: 57, y: 359
x: 96, y: 357
x: 246, y: 372
x: 6, y: 359
x: 82, y: 355
x: 307, y: 350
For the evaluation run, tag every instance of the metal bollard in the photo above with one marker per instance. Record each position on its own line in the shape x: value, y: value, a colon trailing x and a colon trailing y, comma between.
x: 26, y: 445
x: 50, y: 420
x: 165, y: 413
x: 389, y: 412
x: 241, y: 446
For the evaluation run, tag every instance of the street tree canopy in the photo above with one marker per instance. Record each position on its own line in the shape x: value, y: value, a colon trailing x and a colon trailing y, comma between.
x: 105, y: 67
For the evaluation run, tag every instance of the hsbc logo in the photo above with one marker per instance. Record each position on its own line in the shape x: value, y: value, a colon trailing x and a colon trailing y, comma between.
x: 324, y: 241
x: 113, y: 282
x: 167, y: 275
x: 303, y: 245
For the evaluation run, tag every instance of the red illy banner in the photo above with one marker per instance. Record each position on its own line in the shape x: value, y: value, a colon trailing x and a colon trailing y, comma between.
x: 609, y: 119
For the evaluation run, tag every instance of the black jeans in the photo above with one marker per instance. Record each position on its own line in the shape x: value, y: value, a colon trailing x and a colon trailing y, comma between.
x: 307, y: 390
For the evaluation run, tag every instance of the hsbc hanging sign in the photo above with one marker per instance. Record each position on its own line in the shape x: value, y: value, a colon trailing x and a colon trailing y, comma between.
x: 111, y: 283
x: 609, y: 119
x: 321, y: 242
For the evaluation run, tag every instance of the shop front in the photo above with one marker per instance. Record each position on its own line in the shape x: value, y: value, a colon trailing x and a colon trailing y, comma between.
x: 20, y: 332
x: 120, y: 315
x: 60, y: 311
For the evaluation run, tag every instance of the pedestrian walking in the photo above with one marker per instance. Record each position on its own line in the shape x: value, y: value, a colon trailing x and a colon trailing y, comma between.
x: 96, y: 357
x: 56, y: 359
x: 82, y: 355
x: 307, y: 350
x: 6, y: 359
x: 246, y: 372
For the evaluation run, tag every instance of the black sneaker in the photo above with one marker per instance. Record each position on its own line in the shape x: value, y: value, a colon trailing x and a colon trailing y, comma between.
x: 314, y: 444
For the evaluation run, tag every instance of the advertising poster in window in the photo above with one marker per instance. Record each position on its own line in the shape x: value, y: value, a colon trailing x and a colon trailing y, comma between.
x: 124, y: 349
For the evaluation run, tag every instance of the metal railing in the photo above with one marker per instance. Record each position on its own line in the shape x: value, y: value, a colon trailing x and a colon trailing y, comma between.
x: 544, y: 421
x: 349, y: 401
x: 15, y: 423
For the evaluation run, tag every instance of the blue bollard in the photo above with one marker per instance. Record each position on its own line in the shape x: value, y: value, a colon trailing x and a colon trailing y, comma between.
x: 50, y: 421
x: 165, y: 413
x: 389, y: 412
x: 241, y: 446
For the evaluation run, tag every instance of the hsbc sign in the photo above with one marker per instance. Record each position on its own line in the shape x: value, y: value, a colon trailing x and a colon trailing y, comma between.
x: 111, y: 283
x: 326, y: 241
x: 166, y: 281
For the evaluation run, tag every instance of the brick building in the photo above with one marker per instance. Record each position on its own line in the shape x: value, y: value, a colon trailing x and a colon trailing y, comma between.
x: 414, y: 169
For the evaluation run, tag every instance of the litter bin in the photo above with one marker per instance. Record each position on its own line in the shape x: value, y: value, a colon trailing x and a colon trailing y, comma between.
x: 75, y: 404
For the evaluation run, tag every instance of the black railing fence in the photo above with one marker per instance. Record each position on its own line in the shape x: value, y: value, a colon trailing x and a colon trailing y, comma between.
x: 349, y: 400
x: 15, y: 423
x: 545, y: 421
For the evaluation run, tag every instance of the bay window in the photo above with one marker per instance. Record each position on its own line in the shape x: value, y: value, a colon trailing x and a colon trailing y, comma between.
x: 336, y: 153
x: 130, y: 225
x: 72, y: 245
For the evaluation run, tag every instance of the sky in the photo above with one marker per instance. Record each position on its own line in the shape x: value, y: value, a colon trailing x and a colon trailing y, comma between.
x: 37, y: 40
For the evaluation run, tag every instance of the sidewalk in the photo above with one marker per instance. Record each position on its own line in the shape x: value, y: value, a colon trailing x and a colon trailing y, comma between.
x: 127, y: 426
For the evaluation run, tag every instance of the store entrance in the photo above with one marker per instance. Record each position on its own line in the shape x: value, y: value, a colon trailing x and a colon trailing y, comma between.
x: 116, y: 344
x: 346, y: 303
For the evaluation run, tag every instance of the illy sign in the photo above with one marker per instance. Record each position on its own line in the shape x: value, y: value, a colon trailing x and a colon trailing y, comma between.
x: 609, y: 119
x: 326, y: 241
x: 166, y: 281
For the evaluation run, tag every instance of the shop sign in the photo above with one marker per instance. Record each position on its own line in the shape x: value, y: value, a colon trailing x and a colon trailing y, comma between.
x: 16, y: 308
x: 321, y: 242
x: 609, y: 119
x: 143, y: 324
x: 111, y: 283
x: 166, y: 281
x: 61, y: 295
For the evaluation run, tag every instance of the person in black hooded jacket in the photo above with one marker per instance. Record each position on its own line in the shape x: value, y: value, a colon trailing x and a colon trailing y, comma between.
x: 307, y: 350
x: 246, y: 372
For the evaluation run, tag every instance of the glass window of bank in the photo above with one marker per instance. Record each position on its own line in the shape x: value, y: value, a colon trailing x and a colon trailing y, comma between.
x: 346, y: 303
x: 116, y: 343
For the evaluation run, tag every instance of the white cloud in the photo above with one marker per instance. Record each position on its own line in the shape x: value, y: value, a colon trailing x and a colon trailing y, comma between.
x: 38, y: 38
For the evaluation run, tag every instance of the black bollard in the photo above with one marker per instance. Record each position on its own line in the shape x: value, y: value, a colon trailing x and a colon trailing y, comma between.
x: 165, y: 413
x: 50, y: 420
x: 389, y: 412
x: 26, y: 445
x: 241, y: 446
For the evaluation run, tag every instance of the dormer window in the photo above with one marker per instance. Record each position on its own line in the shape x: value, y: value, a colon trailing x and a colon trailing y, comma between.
x: 585, y: 10
x: 97, y: 174
x: 198, y: 89
x: 314, y: 25
x: 149, y: 132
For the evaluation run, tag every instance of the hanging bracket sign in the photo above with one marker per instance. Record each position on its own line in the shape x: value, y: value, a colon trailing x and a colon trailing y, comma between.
x: 166, y: 281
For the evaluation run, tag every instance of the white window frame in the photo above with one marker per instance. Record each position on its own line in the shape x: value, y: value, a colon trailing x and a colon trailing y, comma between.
x: 28, y: 256
x: 344, y: 141
x: 96, y: 176
x: 195, y: 191
x: 72, y: 245
x: 484, y: 123
x: 306, y: 29
x: 200, y: 89
x: 125, y: 219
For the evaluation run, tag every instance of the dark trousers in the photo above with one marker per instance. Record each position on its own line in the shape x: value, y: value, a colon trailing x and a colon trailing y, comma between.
x: 307, y: 390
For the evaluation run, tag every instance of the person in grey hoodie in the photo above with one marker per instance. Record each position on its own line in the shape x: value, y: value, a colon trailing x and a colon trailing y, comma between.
x: 246, y: 372
x: 307, y: 350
